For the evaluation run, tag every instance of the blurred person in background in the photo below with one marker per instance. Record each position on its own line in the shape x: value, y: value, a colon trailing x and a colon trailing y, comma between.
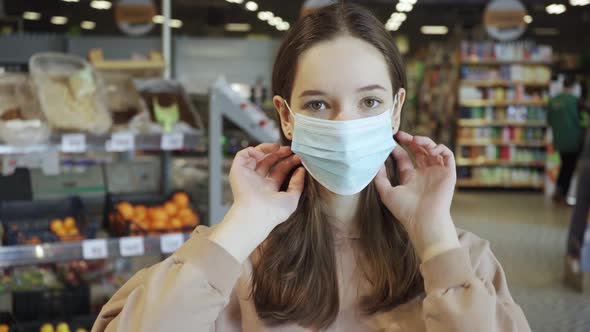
x: 580, y: 219
x: 563, y: 117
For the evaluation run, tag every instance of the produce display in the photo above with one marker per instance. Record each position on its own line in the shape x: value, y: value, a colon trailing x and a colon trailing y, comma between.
x: 176, y: 214
x: 71, y: 96
x: 21, y: 120
x: 66, y: 230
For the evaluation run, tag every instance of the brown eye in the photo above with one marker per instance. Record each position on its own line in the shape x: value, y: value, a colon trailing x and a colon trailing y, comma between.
x: 315, y: 106
x: 371, y: 103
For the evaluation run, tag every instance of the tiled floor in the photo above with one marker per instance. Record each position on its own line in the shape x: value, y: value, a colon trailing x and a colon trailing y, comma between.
x: 527, y: 234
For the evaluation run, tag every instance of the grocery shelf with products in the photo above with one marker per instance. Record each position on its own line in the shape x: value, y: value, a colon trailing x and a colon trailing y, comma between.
x: 501, y: 128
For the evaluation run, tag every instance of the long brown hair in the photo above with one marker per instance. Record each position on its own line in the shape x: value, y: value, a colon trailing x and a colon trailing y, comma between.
x: 294, y: 274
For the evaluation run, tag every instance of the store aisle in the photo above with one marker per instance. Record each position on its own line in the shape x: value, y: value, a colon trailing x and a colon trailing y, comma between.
x: 527, y: 234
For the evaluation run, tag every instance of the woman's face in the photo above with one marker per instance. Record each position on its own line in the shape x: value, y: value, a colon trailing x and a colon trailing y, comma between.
x: 344, y: 78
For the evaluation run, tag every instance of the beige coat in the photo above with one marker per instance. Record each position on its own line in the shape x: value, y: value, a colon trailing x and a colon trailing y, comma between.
x: 202, y: 288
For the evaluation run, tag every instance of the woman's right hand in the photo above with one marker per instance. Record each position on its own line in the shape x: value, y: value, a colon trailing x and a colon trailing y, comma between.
x: 256, y: 177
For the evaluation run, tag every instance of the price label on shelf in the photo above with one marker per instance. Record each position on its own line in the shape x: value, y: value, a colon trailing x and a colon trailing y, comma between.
x: 172, y: 141
x: 94, y: 249
x: 170, y: 242
x: 73, y: 143
x: 121, y: 142
x: 131, y: 246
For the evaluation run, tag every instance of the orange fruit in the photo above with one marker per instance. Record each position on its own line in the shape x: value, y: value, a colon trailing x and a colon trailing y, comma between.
x: 126, y: 210
x: 160, y: 215
x: 159, y: 225
x: 188, y: 217
x: 56, y: 226
x: 176, y: 223
x: 69, y: 223
x: 72, y: 231
x: 170, y: 208
x: 181, y: 200
x: 140, y: 212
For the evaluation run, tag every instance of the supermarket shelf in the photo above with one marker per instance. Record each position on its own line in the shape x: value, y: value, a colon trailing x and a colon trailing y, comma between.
x: 494, y: 62
x: 503, y: 83
x: 491, y: 102
x: 70, y: 251
x: 465, y: 142
x: 471, y: 183
x: 506, y: 163
x: 141, y: 142
x: 486, y: 123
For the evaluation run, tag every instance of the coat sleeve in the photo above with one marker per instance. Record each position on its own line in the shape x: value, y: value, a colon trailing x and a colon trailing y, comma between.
x: 185, y: 292
x: 466, y: 290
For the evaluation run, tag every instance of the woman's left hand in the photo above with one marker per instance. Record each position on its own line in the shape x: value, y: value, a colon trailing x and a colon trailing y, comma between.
x: 422, y: 201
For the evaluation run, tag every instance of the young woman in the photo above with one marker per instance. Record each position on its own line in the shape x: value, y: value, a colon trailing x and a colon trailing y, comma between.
x: 356, y: 240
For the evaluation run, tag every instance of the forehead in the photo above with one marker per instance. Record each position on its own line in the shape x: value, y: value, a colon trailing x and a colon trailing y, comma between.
x: 343, y: 64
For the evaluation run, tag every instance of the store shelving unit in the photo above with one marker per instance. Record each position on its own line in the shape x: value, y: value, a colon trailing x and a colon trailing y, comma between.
x: 11, y: 256
x: 133, y: 142
x: 501, y: 126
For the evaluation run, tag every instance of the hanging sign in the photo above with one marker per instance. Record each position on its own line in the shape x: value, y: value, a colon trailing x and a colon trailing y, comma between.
x: 135, y: 17
x: 504, y: 19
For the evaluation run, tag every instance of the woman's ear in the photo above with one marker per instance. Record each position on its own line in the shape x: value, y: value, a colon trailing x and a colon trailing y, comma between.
x: 285, y: 116
x: 397, y: 110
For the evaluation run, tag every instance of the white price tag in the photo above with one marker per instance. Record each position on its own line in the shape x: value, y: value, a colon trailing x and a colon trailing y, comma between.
x: 94, y: 249
x: 172, y: 141
x: 131, y: 246
x: 170, y: 242
x: 121, y: 142
x: 73, y: 143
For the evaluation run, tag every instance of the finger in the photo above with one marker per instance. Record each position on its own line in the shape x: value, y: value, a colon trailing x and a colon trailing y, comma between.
x: 280, y: 171
x: 404, y: 164
x: 268, y: 147
x: 382, y: 182
x: 297, y: 182
x: 446, y: 155
x: 403, y: 137
x: 424, y: 141
x: 248, y: 157
x: 271, y: 159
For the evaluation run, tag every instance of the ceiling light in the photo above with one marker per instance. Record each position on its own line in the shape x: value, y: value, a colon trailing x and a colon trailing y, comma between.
x: 252, y: 6
x: 275, y: 21
x: 283, y: 26
x: 59, y: 20
x: 235, y: 1
x: 546, y: 31
x: 71, y: 0
x: 434, y: 30
x: 101, y: 4
x: 88, y: 25
x: 555, y: 9
x: 528, y: 19
x: 265, y: 16
x: 238, y: 27
x: 158, y: 19
x: 411, y: 2
x: 399, y: 17
x: 392, y: 26
x: 176, y: 23
x: 32, y: 16
x: 579, y: 2
x: 404, y: 7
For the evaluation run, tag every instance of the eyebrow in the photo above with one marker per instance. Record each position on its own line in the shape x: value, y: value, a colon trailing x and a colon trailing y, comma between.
x: 322, y: 93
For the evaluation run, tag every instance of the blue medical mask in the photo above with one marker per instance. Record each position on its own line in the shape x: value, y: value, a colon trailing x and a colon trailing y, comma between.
x: 343, y: 156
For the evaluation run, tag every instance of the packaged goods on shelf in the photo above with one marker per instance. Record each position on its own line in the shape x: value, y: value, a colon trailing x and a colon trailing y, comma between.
x: 137, y: 214
x: 521, y: 74
x: 123, y: 100
x: 70, y: 94
x: 21, y: 120
x: 169, y: 106
x: 515, y: 51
